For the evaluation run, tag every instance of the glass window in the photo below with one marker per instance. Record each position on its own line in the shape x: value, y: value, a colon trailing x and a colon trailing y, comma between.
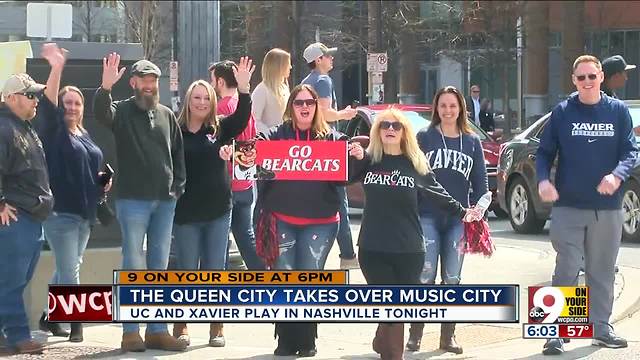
x: 616, y: 45
x: 632, y: 56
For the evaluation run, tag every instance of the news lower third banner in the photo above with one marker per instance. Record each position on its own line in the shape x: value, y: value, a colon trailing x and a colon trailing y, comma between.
x: 269, y: 303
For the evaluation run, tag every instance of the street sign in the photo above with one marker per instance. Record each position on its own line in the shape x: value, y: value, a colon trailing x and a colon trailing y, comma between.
x: 376, y: 78
x: 173, y: 85
x: 173, y: 70
x: 49, y: 20
x: 377, y: 62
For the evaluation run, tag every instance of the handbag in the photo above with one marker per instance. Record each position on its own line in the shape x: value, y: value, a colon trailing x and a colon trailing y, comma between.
x: 104, y: 213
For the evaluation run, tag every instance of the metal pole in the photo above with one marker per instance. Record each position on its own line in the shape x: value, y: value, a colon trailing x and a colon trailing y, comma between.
x: 49, y: 25
x: 216, y: 30
x: 519, y: 65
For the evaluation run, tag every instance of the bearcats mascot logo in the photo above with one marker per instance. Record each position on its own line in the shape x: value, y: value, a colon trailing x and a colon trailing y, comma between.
x: 245, y: 167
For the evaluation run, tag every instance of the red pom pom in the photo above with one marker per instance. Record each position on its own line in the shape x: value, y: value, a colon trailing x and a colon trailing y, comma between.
x: 476, y: 239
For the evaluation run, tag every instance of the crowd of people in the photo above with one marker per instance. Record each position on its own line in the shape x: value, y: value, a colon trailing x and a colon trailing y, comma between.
x: 52, y: 177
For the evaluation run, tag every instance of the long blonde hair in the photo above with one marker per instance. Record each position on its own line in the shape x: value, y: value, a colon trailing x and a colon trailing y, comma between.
x: 69, y: 88
x: 319, y: 127
x: 211, y: 118
x: 274, y: 66
x: 408, y: 143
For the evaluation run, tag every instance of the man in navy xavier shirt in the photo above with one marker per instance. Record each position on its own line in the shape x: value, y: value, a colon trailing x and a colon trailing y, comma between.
x: 593, y: 135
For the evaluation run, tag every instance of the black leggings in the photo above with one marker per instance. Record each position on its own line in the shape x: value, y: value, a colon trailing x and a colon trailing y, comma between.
x: 387, y: 268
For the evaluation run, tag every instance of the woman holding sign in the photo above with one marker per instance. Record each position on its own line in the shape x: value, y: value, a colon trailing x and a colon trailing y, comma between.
x: 203, y: 212
x: 456, y: 158
x: 391, y: 243
x: 298, y: 220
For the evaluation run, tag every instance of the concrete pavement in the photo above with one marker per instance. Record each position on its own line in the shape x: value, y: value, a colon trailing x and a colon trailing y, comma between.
x: 509, y: 265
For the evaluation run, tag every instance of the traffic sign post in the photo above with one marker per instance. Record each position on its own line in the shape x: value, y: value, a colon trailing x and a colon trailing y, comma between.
x: 173, y: 76
x: 376, y: 66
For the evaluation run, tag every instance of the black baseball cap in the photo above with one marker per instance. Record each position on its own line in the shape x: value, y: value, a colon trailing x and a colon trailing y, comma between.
x: 615, y: 64
x: 145, y: 67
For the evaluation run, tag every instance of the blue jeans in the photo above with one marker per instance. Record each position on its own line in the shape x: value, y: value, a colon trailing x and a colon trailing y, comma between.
x: 20, y: 245
x: 442, y: 237
x: 202, y: 245
x: 242, y: 228
x: 345, y: 240
x: 67, y: 235
x: 153, y: 219
x: 304, y: 247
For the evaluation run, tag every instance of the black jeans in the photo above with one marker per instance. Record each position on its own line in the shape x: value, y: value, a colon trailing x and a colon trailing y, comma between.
x: 387, y: 268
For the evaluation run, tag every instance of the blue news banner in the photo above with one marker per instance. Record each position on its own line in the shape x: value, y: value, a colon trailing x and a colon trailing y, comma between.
x: 341, y: 303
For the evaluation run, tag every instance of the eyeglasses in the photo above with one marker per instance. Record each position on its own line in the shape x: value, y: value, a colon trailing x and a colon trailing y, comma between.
x: 31, y: 95
x: 301, y: 102
x: 583, y: 77
x: 475, y: 91
x: 385, y: 125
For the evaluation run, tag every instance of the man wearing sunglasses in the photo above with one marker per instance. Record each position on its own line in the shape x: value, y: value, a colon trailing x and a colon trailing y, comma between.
x: 25, y: 201
x: 593, y: 138
x: 319, y: 58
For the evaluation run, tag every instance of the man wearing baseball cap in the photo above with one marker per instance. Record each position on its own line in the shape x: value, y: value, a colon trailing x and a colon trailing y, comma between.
x: 25, y: 201
x: 319, y: 58
x: 150, y: 178
x: 615, y: 74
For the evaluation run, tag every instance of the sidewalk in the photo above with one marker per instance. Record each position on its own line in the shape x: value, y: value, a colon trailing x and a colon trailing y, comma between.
x: 509, y: 265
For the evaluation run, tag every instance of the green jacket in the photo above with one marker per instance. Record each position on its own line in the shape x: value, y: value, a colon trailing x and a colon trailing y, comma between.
x: 149, y: 148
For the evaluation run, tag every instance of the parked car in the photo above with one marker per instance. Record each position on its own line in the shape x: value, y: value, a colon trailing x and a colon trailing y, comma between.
x: 420, y: 117
x: 517, y: 182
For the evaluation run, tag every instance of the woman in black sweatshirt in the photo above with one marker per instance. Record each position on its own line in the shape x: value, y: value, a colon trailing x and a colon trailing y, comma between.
x: 203, y: 212
x: 298, y: 220
x: 391, y: 244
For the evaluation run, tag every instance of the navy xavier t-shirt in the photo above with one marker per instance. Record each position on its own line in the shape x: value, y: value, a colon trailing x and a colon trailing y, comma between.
x: 457, y: 168
x: 591, y: 141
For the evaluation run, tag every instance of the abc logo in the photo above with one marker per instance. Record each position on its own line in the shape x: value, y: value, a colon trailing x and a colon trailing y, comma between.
x: 536, y: 314
x: 547, y: 304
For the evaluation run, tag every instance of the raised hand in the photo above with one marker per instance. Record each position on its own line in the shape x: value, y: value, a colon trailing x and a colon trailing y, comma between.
x: 243, y: 73
x: 356, y: 150
x: 110, y: 72
x: 55, y: 56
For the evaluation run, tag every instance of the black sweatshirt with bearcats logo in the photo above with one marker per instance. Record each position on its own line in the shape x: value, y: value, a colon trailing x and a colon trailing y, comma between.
x: 391, y: 222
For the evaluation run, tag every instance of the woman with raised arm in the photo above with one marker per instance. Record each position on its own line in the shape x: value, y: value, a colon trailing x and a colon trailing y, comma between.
x: 73, y: 161
x: 203, y: 212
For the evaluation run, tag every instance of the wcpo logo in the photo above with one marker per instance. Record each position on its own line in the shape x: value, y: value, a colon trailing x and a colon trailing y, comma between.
x: 80, y: 303
x: 552, y: 304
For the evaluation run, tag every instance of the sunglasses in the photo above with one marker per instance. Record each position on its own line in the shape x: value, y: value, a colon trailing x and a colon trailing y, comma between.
x: 385, y: 125
x: 31, y: 95
x: 583, y: 77
x: 301, y: 102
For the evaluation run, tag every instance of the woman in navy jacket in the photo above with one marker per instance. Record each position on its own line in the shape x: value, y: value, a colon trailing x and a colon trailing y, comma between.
x: 73, y: 161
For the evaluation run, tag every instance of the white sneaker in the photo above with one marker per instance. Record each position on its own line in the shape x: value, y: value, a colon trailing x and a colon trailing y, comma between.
x: 346, y: 264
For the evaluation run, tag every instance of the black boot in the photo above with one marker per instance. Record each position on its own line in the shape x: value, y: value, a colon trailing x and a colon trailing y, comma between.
x: 286, y: 340
x: 448, y: 338
x: 415, y: 336
x: 76, y: 332
x: 53, y: 328
x: 307, y: 334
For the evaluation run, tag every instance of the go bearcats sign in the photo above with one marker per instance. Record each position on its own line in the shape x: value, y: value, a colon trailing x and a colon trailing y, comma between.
x: 304, y: 160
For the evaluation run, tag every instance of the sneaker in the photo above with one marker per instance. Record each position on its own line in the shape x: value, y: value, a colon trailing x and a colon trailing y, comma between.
x: 346, y: 264
x: 611, y: 340
x: 553, y: 347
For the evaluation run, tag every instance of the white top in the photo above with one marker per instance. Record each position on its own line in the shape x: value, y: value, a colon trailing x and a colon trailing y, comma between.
x: 476, y: 110
x: 266, y: 109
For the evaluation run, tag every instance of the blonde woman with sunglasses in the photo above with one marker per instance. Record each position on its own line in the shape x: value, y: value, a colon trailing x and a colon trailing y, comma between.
x: 391, y: 245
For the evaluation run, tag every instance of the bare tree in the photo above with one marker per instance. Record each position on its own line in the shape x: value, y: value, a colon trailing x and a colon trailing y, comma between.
x: 144, y: 21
